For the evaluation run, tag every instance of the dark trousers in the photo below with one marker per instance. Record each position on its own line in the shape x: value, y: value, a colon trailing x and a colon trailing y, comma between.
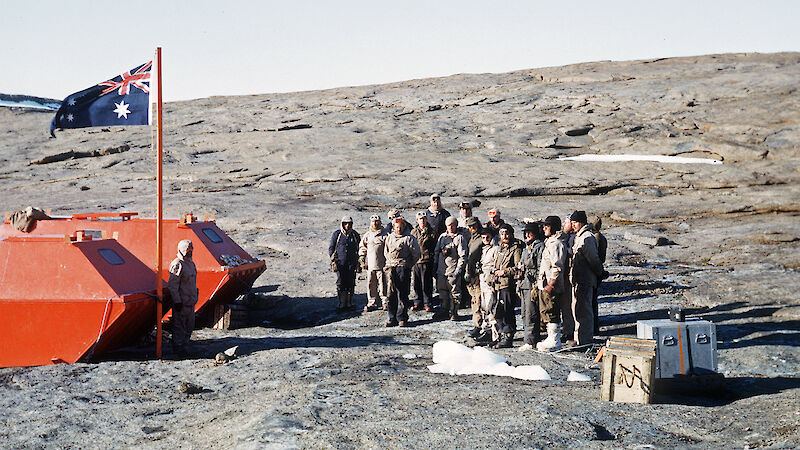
x: 596, y: 310
x: 504, y: 311
x: 582, y: 313
x: 345, y: 279
x: 422, y: 281
x: 399, y: 284
x: 530, y: 315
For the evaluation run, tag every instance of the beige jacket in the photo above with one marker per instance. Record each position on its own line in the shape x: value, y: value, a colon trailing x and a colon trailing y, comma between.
x: 182, y: 283
x: 401, y: 250
x: 372, y: 246
x: 552, y: 267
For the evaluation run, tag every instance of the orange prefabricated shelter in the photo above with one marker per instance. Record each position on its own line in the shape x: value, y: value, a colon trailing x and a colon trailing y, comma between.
x: 64, y: 299
x: 224, y: 269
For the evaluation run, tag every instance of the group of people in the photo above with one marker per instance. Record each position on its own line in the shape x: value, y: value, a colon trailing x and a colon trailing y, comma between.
x: 553, y: 273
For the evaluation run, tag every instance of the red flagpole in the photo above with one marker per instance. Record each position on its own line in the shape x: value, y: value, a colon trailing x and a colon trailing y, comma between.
x: 159, y: 220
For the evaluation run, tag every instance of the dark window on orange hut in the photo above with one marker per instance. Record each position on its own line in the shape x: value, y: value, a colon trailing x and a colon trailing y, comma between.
x: 212, y: 235
x: 111, y: 256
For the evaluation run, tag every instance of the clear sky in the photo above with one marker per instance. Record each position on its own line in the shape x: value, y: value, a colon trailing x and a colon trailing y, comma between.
x: 54, y: 48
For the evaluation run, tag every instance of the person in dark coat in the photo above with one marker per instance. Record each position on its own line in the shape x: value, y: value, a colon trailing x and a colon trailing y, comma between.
x: 602, y: 246
x: 528, y: 290
x: 422, y: 271
x: 343, y: 251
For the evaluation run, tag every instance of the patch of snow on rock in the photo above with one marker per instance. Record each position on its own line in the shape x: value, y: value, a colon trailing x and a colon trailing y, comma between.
x: 456, y: 359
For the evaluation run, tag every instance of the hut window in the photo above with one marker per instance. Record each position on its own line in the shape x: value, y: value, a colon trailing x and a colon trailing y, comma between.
x: 111, y: 256
x: 212, y: 235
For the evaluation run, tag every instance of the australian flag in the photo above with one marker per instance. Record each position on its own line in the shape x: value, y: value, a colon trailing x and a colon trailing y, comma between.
x: 122, y: 100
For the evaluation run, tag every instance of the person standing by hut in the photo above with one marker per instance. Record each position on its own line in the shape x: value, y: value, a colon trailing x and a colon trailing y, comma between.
x: 182, y: 287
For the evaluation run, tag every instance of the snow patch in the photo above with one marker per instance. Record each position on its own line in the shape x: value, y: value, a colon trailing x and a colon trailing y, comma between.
x: 654, y: 158
x: 576, y: 376
x: 456, y: 359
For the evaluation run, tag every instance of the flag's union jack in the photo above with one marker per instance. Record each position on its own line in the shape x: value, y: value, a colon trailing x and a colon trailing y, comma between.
x: 122, y: 100
x: 137, y: 79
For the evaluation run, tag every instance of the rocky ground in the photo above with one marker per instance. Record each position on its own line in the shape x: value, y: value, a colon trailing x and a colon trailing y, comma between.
x: 279, y: 170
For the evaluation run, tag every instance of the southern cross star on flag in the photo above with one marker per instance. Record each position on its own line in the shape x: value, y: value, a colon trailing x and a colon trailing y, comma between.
x: 122, y: 100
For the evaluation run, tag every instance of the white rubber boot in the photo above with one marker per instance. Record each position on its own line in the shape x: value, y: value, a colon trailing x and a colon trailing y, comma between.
x: 553, y: 340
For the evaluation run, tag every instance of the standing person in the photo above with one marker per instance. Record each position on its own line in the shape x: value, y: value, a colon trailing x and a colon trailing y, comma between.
x: 465, y: 212
x: 602, y: 247
x: 472, y: 272
x: 437, y: 215
x: 565, y: 298
x: 506, y: 272
x: 182, y: 287
x: 585, y: 270
x: 450, y: 259
x: 390, y: 220
x: 401, y: 251
x: 552, y: 272
x: 373, y: 260
x: 422, y: 272
x: 495, y: 221
x: 528, y: 289
x: 485, y: 268
x: 343, y: 250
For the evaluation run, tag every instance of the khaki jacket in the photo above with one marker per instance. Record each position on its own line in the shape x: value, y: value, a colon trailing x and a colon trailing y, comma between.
x: 586, y: 266
x: 450, y: 255
x: 372, y: 244
x: 427, y: 243
x: 182, y: 283
x: 401, y: 250
x: 508, y: 260
x: 553, y: 263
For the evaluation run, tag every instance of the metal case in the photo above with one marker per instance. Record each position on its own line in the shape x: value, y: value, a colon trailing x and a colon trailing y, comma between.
x: 688, y: 347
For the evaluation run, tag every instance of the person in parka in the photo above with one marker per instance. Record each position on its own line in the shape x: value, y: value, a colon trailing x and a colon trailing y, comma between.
x: 472, y: 273
x: 528, y: 289
x: 450, y: 259
x: 182, y: 287
x: 602, y: 247
x: 551, y: 283
x: 506, y: 272
x: 373, y: 260
x: 401, y: 251
x: 585, y: 270
x: 343, y: 251
x: 422, y: 272
x: 437, y: 215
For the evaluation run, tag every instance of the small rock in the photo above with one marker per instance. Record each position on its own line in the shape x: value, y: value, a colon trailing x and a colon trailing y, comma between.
x: 185, y: 387
x: 576, y: 131
x: 221, y: 358
x: 542, y: 143
x: 653, y: 241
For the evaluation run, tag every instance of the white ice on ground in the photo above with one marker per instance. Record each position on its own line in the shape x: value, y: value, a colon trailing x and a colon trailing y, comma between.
x: 456, y: 359
x: 655, y: 158
x: 409, y: 356
x: 576, y: 376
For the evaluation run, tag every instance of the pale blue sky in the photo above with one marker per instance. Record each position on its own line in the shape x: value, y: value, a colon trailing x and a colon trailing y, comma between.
x: 54, y: 48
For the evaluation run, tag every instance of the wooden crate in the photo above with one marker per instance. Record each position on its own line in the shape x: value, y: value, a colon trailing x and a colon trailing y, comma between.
x: 228, y: 317
x: 628, y: 370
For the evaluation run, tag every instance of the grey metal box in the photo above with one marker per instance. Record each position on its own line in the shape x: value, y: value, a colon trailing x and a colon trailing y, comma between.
x: 683, y: 347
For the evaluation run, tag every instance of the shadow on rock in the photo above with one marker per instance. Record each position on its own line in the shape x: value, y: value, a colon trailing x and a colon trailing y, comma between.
x: 720, y: 391
x: 208, y: 348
